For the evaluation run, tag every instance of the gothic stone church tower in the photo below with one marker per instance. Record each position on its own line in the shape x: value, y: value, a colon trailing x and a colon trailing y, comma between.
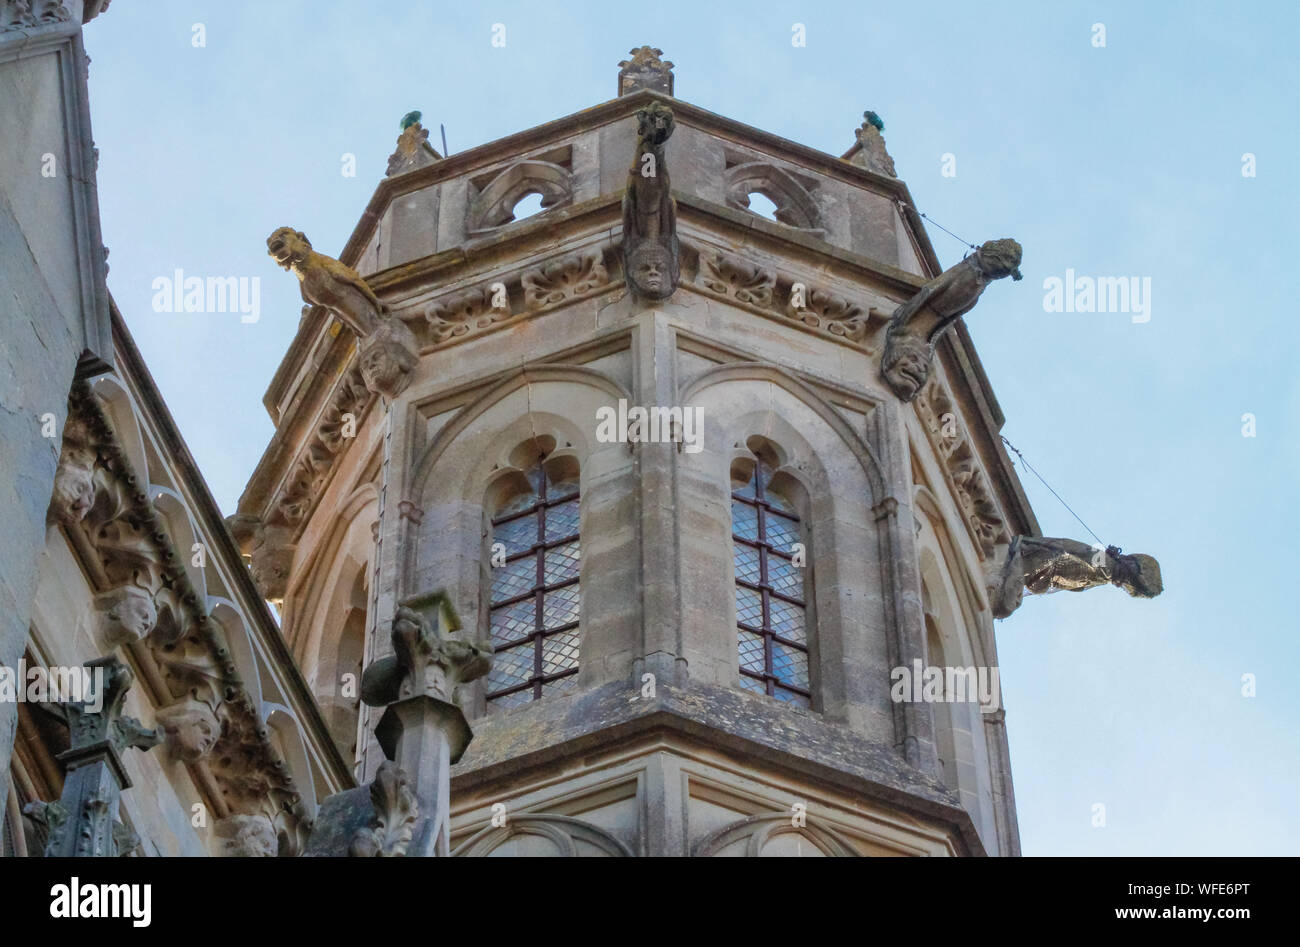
x: 694, y: 633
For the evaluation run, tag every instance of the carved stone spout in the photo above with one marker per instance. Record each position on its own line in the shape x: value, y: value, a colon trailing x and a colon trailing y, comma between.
x: 917, y: 324
x: 650, y: 247
x: 1038, y: 565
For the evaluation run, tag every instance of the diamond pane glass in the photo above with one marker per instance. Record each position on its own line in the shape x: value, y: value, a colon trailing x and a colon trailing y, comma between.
x: 778, y: 502
x: 513, y: 622
x: 560, y: 652
x: 560, y: 563
x: 790, y: 697
x: 560, y: 606
x: 751, y: 652
x: 517, y: 535
x: 749, y: 607
x: 747, y: 563
x: 790, y: 665
x: 745, y: 490
x: 562, y: 521
x: 744, y: 520
x: 784, y: 576
x: 560, y: 686
x: 514, y: 578
x: 510, y: 667
x: 787, y: 620
x: 752, y: 684
x: 517, y: 699
x: 782, y: 533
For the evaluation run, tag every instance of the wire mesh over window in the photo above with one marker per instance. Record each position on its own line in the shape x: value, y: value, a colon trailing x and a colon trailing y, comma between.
x: 772, y: 634
x: 534, y: 596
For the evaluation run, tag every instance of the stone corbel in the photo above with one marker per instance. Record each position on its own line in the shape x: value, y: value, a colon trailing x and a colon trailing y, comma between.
x: 246, y: 836
x: 74, y: 480
x: 191, y: 729
x: 126, y: 615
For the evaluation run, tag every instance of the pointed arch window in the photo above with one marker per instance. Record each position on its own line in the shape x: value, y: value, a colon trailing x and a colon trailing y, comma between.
x: 534, y: 599
x: 772, y: 629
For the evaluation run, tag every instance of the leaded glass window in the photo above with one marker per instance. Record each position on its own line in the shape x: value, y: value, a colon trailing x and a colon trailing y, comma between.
x: 770, y: 614
x: 534, y: 596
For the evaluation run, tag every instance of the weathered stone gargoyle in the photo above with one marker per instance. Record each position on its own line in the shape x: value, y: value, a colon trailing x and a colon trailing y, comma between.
x: 1038, y: 565
x: 387, y: 345
x: 650, y: 248
x: 917, y: 324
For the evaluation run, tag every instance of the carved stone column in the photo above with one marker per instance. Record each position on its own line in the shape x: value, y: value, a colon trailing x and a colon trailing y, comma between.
x: 83, y: 823
x: 422, y: 732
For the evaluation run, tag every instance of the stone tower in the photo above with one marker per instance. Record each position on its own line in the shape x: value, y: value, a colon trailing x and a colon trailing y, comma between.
x: 698, y: 528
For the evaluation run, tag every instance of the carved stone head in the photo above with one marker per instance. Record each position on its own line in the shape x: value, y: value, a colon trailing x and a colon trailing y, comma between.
x: 388, y: 356
x: 126, y: 614
x: 654, y: 124
x: 192, y: 729
x: 1138, y: 575
x: 272, y: 560
x: 288, y: 247
x: 74, y: 487
x: 999, y: 258
x: 649, y: 270
x: 906, y: 363
x: 246, y: 836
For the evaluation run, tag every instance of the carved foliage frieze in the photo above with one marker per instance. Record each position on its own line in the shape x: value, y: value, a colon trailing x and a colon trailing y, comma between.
x: 970, y: 484
x: 148, y: 600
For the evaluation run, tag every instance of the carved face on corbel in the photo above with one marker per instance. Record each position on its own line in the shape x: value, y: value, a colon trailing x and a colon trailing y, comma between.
x: 192, y: 729
x: 127, y: 614
x: 388, y: 357
x: 288, y: 246
x: 905, y: 364
x: 74, y: 493
x: 246, y: 836
x: 271, y: 561
x: 649, y: 271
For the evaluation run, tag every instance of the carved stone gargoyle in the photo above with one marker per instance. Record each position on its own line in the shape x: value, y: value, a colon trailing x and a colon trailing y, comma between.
x: 917, y: 324
x: 1038, y: 565
x: 650, y: 249
x: 388, y: 347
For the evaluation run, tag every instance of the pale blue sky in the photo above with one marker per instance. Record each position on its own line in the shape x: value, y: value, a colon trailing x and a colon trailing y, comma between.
x: 1121, y: 161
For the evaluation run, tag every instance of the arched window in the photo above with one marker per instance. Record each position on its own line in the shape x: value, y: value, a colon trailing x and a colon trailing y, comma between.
x: 944, y: 745
x: 534, y: 599
x: 770, y: 600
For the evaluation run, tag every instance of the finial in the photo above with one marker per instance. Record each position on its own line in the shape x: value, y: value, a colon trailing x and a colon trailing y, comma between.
x: 645, y: 70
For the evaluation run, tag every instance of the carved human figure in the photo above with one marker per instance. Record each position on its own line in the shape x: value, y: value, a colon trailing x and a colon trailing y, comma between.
x: 127, y: 614
x: 74, y: 480
x: 918, y: 323
x: 388, y: 356
x: 192, y: 729
x: 325, y: 281
x: 1039, y: 564
x: 246, y: 836
x: 650, y: 247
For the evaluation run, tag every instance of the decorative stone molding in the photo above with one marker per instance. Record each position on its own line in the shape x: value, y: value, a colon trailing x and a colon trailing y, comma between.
x: 427, y: 659
x: 413, y: 148
x: 767, y: 291
x: 645, y: 70
x: 570, y: 277
x: 469, y: 309
x: 493, y: 206
x: 823, y: 309
x: 30, y: 14
x: 951, y: 442
x: 129, y: 538
x: 564, y: 832
x: 758, y: 830
x: 396, y: 813
x: 651, y: 250
x: 795, y: 205
x: 728, y: 275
